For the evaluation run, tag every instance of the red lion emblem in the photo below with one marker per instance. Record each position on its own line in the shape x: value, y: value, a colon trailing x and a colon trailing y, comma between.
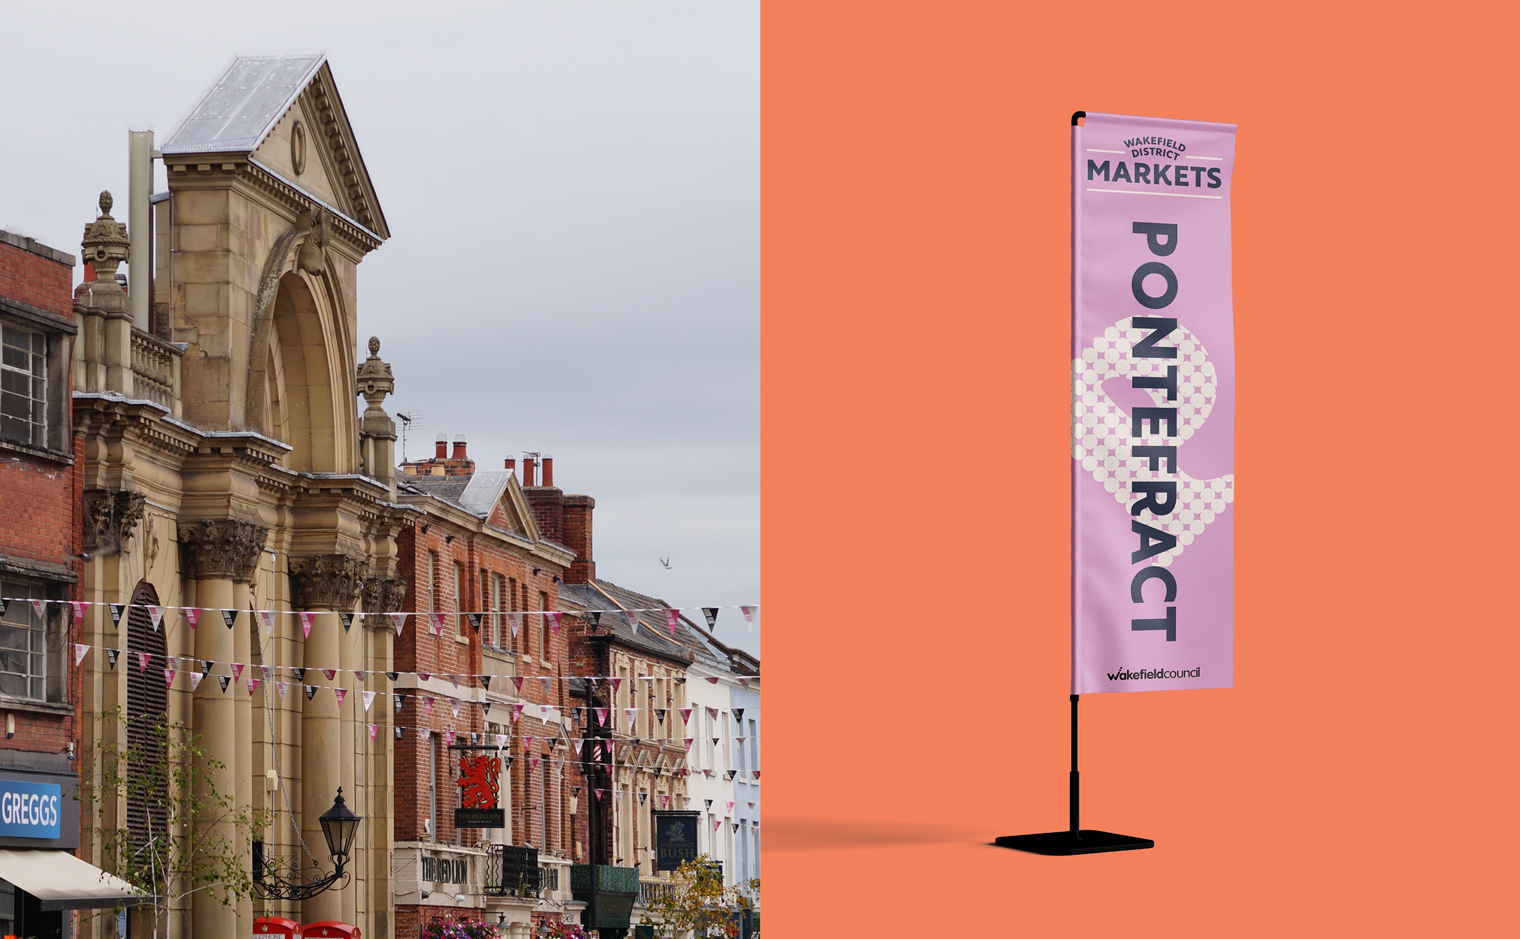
x: 479, y: 781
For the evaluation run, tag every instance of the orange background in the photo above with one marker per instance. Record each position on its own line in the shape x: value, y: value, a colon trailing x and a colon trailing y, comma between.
x: 1359, y: 779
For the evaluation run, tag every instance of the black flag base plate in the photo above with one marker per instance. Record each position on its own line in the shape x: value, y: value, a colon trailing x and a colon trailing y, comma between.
x: 1064, y: 843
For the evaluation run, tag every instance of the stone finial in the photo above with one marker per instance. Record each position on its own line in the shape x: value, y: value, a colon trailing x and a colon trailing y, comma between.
x: 105, y: 243
x: 375, y: 378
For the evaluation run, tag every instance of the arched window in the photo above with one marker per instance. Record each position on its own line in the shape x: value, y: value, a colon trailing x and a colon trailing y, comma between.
x: 147, y: 707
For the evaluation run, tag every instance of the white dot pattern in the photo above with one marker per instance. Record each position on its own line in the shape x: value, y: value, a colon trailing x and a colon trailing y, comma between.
x: 1100, y: 429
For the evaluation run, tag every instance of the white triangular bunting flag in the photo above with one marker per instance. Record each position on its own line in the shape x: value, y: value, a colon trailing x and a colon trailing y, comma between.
x: 155, y: 615
x: 632, y: 715
x: 41, y: 607
x: 369, y: 698
x: 399, y: 620
x: 546, y: 708
x: 280, y: 687
x: 266, y: 620
x: 633, y: 619
x: 501, y: 741
x: 515, y: 621
x: 749, y: 614
x: 195, y: 679
x: 576, y: 743
x: 548, y: 684
x: 79, y: 650
x: 455, y: 704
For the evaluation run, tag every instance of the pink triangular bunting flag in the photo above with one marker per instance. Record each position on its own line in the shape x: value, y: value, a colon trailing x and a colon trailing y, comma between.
x: 192, y: 615
x: 517, y: 683
x: 78, y: 607
x: 672, y: 617
x: 252, y: 683
x: 517, y: 710
x: 341, y: 693
x: 601, y: 716
x: 142, y: 662
x: 427, y: 706
x: 554, y: 616
x: 689, y: 741
x: 237, y: 670
x: 372, y: 729
x: 331, y: 673
x: 527, y: 744
x: 685, y: 714
x: 439, y: 620
x: 168, y: 677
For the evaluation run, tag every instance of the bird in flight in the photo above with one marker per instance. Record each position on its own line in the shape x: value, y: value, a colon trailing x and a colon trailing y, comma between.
x: 666, y: 561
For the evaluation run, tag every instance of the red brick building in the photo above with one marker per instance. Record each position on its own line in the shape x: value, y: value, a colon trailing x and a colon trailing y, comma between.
x: 481, y: 665
x: 40, y: 545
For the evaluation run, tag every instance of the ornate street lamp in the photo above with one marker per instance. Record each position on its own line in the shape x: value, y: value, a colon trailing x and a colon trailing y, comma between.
x: 339, y: 825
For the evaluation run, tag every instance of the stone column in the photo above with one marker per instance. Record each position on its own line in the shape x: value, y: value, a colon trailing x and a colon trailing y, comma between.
x: 324, y: 584
x: 219, y: 555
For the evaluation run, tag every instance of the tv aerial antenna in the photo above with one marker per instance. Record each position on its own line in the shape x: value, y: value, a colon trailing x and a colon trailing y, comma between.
x: 408, y: 420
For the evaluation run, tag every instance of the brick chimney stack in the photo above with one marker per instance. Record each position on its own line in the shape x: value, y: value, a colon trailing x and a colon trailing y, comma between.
x: 577, y: 537
x: 547, y: 502
x: 442, y: 464
x: 510, y: 463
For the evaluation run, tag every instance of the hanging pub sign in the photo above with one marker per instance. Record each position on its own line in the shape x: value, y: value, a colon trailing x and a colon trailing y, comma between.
x: 1153, y: 405
x: 479, y: 790
x: 675, y: 837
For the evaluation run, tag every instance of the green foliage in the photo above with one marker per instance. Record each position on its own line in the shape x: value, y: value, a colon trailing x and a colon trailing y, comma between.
x: 164, y: 769
x: 699, y: 902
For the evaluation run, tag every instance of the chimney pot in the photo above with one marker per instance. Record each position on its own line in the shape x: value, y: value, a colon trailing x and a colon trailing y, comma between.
x: 548, y: 470
x: 459, y: 447
x: 528, y: 468
x: 442, y: 447
x: 511, y: 463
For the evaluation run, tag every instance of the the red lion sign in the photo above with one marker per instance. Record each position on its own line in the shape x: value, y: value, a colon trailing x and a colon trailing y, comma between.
x: 479, y: 781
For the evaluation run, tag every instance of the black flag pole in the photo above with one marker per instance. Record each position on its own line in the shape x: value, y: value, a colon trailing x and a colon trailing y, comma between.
x: 1075, y: 839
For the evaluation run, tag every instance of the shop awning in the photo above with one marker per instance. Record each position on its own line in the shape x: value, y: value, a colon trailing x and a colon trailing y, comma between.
x: 64, y: 882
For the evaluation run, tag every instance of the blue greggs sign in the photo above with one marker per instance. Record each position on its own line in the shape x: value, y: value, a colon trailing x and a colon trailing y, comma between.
x: 30, y: 810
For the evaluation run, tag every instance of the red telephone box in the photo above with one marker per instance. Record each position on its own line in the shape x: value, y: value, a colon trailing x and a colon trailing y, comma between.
x: 330, y: 928
x: 275, y: 927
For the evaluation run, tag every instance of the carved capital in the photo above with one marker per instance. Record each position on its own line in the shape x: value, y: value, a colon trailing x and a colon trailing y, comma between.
x: 222, y: 548
x: 326, y: 582
x: 383, y: 595
x: 110, y: 519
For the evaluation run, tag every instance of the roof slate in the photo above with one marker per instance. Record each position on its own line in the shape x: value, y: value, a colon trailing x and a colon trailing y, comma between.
x: 244, y: 105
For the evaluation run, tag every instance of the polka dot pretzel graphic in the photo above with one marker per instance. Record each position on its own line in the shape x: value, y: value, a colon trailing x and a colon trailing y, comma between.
x: 1100, y: 428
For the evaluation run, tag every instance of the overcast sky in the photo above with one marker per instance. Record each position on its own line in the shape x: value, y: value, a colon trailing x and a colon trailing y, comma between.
x: 573, y: 191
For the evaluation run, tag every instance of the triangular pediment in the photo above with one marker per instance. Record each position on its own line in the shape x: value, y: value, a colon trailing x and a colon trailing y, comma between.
x: 284, y: 113
x: 512, y: 512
